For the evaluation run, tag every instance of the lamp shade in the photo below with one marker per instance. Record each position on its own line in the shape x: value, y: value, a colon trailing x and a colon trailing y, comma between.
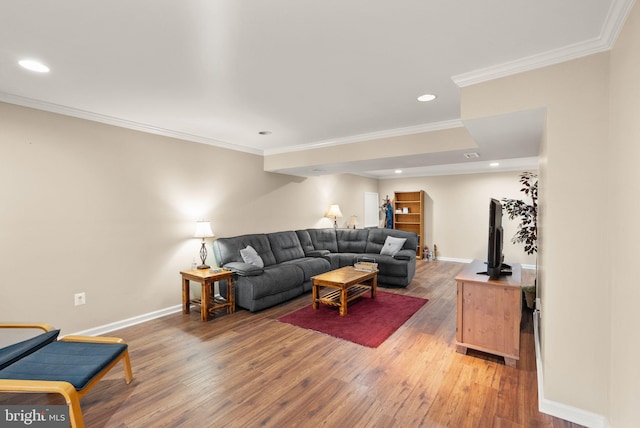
x: 353, y: 221
x: 203, y: 230
x: 334, y: 211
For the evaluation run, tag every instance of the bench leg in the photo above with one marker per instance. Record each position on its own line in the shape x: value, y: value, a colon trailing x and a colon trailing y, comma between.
x: 126, y: 362
x: 75, y: 412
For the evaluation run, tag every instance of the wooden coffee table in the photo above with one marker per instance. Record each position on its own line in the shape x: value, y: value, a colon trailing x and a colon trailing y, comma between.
x: 348, y: 284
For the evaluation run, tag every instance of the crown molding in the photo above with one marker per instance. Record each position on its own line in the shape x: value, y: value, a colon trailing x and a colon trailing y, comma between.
x: 617, y: 16
x: 122, y: 123
x: 612, y: 26
x: 463, y: 168
x: 388, y: 133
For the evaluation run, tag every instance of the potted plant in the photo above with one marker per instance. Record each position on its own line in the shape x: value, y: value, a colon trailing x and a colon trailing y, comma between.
x: 530, y: 295
x: 527, y: 232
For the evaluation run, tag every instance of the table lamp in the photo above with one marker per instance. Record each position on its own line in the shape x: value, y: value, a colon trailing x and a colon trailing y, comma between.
x: 334, y: 211
x: 203, y: 230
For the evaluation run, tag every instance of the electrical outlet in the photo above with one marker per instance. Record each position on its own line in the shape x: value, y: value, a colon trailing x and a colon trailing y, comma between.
x: 80, y: 298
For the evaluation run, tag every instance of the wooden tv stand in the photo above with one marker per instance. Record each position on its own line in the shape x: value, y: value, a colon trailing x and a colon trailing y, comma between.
x: 488, y: 312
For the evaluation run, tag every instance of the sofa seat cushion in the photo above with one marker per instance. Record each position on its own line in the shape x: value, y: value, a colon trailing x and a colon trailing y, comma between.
x: 12, y: 353
x: 311, y: 266
x: 338, y: 260
x: 393, y: 272
x: 73, y: 362
x: 285, y: 246
x: 275, y: 279
x: 390, y: 266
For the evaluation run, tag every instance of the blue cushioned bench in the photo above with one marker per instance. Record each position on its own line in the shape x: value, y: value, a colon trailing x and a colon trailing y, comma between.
x: 69, y: 366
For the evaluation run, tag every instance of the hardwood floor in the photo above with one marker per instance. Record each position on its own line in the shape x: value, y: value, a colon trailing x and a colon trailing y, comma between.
x: 249, y: 370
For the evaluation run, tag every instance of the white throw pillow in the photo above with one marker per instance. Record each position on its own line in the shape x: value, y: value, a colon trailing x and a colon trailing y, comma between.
x: 250, y: 255
x: 392, y: 245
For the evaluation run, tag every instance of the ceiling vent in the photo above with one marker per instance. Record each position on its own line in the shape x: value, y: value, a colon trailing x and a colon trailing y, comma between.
x: 472, y: 155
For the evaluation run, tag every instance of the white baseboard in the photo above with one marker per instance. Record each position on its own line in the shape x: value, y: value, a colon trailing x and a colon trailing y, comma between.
x: 103, y: 329
x: 559, y: 410
x: 453, y: 259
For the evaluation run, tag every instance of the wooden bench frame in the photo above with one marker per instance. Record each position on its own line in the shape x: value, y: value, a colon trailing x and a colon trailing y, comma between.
x: 66, y: 389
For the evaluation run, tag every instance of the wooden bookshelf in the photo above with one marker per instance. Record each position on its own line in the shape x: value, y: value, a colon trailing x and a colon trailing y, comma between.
x: 413, y: 219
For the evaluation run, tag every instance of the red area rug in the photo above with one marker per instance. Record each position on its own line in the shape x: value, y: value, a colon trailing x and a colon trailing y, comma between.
x: 368, y: 322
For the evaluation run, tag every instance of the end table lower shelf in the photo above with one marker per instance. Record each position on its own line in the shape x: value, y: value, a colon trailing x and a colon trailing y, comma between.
x: 208, y: 302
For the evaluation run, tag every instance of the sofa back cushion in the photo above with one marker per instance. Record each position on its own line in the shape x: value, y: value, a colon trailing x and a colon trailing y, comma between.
x: 352, y: 240
x: 376, y: 238
x: 305, y: 240
x: 12, y: 353
x: 324, y: 239
x: 285, y: 246
x: 227, y: 250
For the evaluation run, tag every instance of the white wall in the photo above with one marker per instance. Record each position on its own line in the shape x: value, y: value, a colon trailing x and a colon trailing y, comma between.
x: 110, y: 211
x: 457, y: 220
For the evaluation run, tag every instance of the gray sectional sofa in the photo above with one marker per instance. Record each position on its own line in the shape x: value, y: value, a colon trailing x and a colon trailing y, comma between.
x: 283, y: 263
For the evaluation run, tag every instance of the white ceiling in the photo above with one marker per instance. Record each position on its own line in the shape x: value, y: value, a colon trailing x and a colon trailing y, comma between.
x: 311, y: 72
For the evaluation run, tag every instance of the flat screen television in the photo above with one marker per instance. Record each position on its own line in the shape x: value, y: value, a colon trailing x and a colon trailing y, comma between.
x: 495, y: 265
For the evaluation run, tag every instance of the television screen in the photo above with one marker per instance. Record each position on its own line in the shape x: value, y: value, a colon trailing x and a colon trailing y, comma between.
x: 494, y: 250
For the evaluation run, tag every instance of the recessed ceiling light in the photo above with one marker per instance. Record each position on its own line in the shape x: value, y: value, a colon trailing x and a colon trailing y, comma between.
x: 494, y: 164
x: 398, y: 171
x: 471, y: 155
x: 265, y: 132
x: 33, y: 65
x: 426, y: 97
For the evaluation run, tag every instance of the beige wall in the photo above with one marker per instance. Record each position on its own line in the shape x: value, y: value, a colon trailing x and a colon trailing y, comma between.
x: 109, y: 211
x: 575, y: 289
x: 622, y: 218
x: 458, y: 219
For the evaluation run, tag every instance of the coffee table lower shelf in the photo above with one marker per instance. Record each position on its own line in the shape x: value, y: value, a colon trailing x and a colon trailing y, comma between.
x: 333, y: 297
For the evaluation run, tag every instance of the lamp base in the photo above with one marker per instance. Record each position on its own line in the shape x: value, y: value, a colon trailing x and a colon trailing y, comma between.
x: 203, y: 267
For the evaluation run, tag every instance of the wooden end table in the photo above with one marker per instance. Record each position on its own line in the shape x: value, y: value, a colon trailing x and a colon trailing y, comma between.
x: 348, y: 284
x: 208, y: 303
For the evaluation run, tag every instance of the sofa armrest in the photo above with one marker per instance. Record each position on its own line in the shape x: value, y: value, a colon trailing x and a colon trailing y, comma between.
x: 317, y: 253
x: 405, y: 255
x: 244, y: 269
